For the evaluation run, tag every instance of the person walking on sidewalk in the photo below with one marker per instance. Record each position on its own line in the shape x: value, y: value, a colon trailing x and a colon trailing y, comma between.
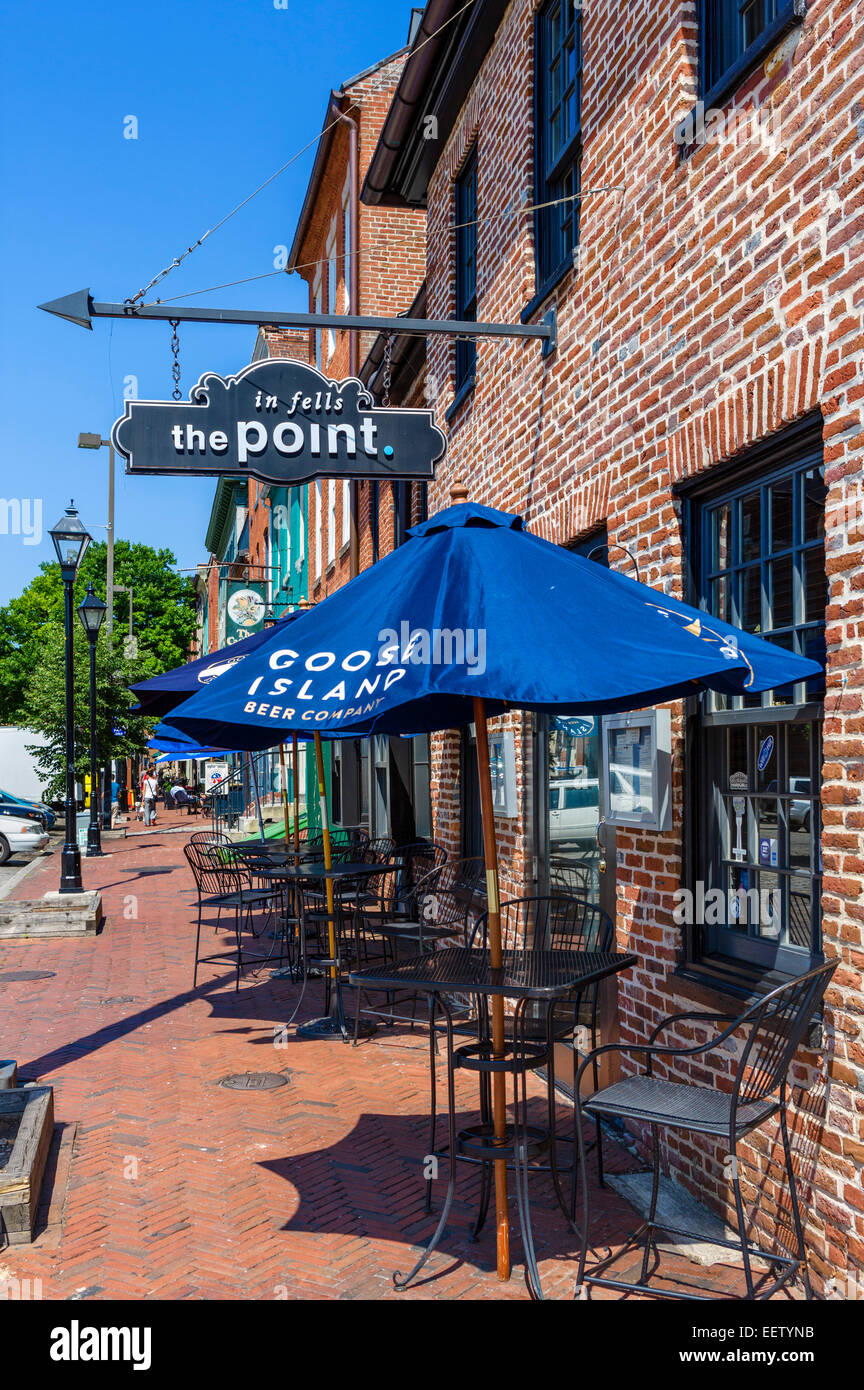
x: 149, y: 791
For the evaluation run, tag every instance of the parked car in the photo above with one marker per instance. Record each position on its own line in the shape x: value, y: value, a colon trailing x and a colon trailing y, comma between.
x: 573, y: 804
x: 21, y: 831
x: 800, y: 811
x: 41, y: 806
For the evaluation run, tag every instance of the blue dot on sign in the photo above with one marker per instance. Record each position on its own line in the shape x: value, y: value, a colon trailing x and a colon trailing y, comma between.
x: 388, y: 451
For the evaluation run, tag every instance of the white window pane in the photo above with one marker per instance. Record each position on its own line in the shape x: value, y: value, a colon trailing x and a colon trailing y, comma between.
x: 347, y: 249
x: 319, y: 522
x: 346, y: 511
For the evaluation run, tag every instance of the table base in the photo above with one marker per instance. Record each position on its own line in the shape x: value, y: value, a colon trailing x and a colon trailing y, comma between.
x: 331, y: 1027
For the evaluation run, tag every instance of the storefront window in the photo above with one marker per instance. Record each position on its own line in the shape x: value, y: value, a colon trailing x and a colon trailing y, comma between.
x: 761, y: 566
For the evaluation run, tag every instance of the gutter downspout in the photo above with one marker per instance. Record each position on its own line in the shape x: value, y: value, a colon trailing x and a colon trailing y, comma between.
x: 353, y: 304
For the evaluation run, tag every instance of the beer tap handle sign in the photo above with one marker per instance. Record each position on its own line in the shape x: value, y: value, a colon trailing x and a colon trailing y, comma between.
x: 738, y: 783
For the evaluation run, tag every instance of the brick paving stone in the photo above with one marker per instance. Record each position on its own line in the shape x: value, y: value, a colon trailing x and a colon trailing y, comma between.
x: 172, y: 1187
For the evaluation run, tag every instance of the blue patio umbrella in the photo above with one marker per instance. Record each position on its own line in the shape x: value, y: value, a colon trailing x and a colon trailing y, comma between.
x: 168, y: 740
x: 474, y: 615
x: 160, y: 694
x: 474, y: 606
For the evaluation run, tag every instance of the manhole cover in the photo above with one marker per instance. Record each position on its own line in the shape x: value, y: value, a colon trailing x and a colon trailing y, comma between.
x: 254, y: 1081
x: 26, y: 975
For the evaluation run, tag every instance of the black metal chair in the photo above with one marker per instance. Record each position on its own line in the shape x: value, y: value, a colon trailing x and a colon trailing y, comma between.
x: 775, y: 1026
x: 209, y: 837
x: 420, y: 860
x: 569, y: 876
x: 222, y: 882
x: 435, y: 911
x: 436, y: 907
x: 556, y: 921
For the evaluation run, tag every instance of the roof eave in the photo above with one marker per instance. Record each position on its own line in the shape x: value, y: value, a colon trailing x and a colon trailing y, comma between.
x: 436, y: 79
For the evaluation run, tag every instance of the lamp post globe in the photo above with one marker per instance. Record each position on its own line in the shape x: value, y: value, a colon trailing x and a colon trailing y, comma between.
x: 91, y: 611
x: 70, y: 539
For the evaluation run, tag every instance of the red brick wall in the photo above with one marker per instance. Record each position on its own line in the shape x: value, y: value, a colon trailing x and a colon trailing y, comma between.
x: 389, y: 263
x: 716, y: 298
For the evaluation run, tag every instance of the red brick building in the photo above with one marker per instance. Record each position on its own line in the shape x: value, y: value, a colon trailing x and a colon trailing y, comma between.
x: 685, y: 186
x: 354, y: 259
x: 362, y: 260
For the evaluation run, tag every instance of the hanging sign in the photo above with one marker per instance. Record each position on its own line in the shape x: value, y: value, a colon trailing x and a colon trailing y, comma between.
x: 765, y: 751
x: 577, y: 727
x: 282, y: 422
x: 245, y: 608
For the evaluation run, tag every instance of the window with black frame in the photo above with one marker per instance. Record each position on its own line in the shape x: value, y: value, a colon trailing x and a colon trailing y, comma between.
x: 466, y: 267
x: 760, y: 564
x: 558, y: 117
x: 732, y: 30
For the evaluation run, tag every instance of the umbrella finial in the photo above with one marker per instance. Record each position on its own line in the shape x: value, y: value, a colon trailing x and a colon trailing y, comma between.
x: 458, y: 492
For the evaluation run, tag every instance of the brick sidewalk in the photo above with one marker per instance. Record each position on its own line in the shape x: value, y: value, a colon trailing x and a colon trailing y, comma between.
x: 164, y: 1185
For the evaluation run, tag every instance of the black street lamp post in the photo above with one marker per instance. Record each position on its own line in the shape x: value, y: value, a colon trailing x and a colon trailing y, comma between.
x: 70, y: 542
x: 91, y: 611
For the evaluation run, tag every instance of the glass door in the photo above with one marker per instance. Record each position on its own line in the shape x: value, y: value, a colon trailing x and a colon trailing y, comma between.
x: 575, y: 861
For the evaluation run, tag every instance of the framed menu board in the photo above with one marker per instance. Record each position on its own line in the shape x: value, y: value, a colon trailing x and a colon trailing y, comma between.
x: 635, y: 769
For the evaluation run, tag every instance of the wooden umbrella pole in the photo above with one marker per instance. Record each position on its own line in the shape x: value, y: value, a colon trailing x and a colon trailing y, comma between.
x: 499, y: 1080
x: 284, y: 772
x: 328, y: 856
x: 295, y: 763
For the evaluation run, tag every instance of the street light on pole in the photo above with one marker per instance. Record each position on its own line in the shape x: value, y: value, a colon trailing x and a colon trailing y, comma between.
x: 70, y: 539
x: 91, y: 611
x: 95, y: 441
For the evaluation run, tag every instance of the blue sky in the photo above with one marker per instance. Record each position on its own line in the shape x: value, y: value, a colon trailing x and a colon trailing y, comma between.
x: 224, y: 93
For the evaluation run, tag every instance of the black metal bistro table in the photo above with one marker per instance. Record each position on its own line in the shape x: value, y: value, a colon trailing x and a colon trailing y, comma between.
x: 334, y: 1023
x: 266, y: 859
x: 533, y: 980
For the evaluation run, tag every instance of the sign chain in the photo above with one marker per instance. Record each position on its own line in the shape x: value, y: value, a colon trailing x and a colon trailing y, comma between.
x: 175, y: 368
x: 388, y: 370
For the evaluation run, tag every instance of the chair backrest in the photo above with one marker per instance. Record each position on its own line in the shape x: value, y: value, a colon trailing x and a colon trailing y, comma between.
x: 378, y: 849
x: 419, y: 862
x: 568, y: 876
x: 342, y: 838
x: 255, y: 857
x: 553, y: 922
x: 464, y: 876
x: 209, y: 837
x: 215, y: 869
x: 777, y: 1025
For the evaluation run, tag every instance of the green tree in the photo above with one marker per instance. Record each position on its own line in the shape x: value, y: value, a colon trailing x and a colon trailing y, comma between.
x: 163, y: 615
x: 119, y: 734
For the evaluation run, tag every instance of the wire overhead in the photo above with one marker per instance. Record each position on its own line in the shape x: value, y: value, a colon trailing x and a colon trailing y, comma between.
x: 178, y: 260
x: 391, y: 240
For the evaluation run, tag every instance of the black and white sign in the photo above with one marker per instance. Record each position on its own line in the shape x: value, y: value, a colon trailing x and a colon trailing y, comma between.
x: 282, y: 422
